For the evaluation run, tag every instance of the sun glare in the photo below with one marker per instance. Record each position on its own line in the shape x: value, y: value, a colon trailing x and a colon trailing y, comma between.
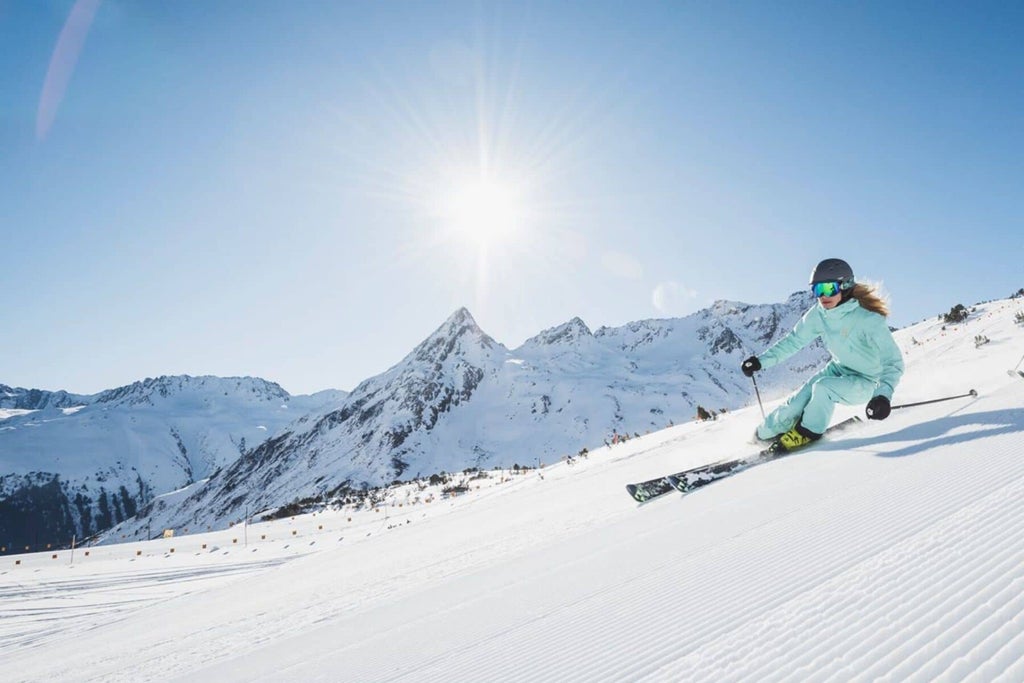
x: 483, y: 212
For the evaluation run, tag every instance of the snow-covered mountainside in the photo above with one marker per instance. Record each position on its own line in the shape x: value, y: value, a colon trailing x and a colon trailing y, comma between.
x: 893, y: 551
x: 460, y: 399
x: 75, y: 465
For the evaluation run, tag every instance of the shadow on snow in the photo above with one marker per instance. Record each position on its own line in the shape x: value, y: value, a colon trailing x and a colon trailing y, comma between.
x: 936, y: 433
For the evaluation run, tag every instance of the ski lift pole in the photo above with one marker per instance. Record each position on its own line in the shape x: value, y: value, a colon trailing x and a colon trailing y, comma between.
x: 972, y: 392
x: 758, y: 393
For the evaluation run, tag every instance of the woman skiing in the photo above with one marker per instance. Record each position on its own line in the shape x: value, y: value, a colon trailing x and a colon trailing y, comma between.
x: 866, y: 364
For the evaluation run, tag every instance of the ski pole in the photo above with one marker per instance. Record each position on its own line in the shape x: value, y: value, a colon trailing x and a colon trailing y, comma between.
x: 1013, y: 372
x: 756, y: 391
x: 972, y: 392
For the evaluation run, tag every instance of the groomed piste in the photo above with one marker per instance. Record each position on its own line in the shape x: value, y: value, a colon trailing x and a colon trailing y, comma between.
x: 894, y: 551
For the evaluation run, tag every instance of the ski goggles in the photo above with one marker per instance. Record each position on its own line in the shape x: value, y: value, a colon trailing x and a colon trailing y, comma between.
x: 826, y: 288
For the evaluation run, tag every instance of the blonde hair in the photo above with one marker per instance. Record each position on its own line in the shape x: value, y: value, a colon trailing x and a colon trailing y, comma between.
x: 869, y: 297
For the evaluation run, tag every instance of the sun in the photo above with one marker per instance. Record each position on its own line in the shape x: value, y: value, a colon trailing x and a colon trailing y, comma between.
x: 483, y: 212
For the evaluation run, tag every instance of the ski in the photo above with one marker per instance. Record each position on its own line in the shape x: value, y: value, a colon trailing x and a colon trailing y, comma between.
x: 650, y: 489
x: 696, y: 477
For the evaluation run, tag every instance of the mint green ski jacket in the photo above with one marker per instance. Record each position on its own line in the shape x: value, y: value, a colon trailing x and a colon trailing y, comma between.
x: 860, y: 343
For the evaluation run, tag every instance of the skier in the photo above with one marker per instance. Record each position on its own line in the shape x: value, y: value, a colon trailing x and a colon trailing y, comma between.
x: 866, y: 364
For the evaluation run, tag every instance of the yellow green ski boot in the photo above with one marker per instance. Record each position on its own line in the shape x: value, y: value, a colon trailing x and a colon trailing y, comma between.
x: 796, y: 438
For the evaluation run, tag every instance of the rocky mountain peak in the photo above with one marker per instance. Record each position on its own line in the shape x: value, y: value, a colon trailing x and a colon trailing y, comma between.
x: 155, y: 389
x: 565, y: 334
x: 38, y: 399
x: 459, y: 335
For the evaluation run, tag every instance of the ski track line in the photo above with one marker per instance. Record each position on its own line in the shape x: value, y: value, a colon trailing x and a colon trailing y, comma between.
x: 933, y: 627
x: 1000, y: 629
x: 1006, y: 664
x: 874, y: 613
x: 838, y: 607
x: 904, y: 591
x: 745, y: 656
x: 977, y: 634
x: 784, y: 592
x: 61, y: 600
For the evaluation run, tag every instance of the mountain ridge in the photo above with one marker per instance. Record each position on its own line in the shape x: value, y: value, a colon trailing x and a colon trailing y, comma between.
x: 458, y: 399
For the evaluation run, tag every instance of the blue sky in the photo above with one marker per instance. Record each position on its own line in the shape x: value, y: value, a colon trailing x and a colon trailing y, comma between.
x: 303, y: 191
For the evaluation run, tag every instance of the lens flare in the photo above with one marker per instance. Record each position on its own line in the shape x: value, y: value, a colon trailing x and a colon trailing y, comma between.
x: 62, y: 63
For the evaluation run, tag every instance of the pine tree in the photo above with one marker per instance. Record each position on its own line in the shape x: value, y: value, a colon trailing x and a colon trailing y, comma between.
x: 957, y: 314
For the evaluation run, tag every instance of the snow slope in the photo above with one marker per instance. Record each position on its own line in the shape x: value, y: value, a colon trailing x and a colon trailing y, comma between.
x: 894, y: 552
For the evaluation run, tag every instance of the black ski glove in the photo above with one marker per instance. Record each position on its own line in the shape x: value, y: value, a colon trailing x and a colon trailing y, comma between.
x: 750, y: 366
x: 878, y: 408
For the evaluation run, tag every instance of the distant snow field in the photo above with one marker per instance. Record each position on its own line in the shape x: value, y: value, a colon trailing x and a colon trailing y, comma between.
x: 13, y: 412
x: 893, y: 552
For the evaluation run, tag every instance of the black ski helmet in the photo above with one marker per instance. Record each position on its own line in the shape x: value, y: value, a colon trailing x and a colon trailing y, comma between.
x: 833, y: 270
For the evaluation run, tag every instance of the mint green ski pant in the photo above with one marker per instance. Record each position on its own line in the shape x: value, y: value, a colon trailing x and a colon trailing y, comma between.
x: 813, y: 404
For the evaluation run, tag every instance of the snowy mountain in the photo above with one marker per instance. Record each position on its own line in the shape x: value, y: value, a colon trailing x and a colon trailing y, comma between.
x: 891, y: 552
x: 462, y: 400
x: 18, y: 399
x: 75, y: 465
x: 196, y: 452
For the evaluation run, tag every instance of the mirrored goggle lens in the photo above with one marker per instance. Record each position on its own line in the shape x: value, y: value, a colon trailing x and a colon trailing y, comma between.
x: 825, y: 288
